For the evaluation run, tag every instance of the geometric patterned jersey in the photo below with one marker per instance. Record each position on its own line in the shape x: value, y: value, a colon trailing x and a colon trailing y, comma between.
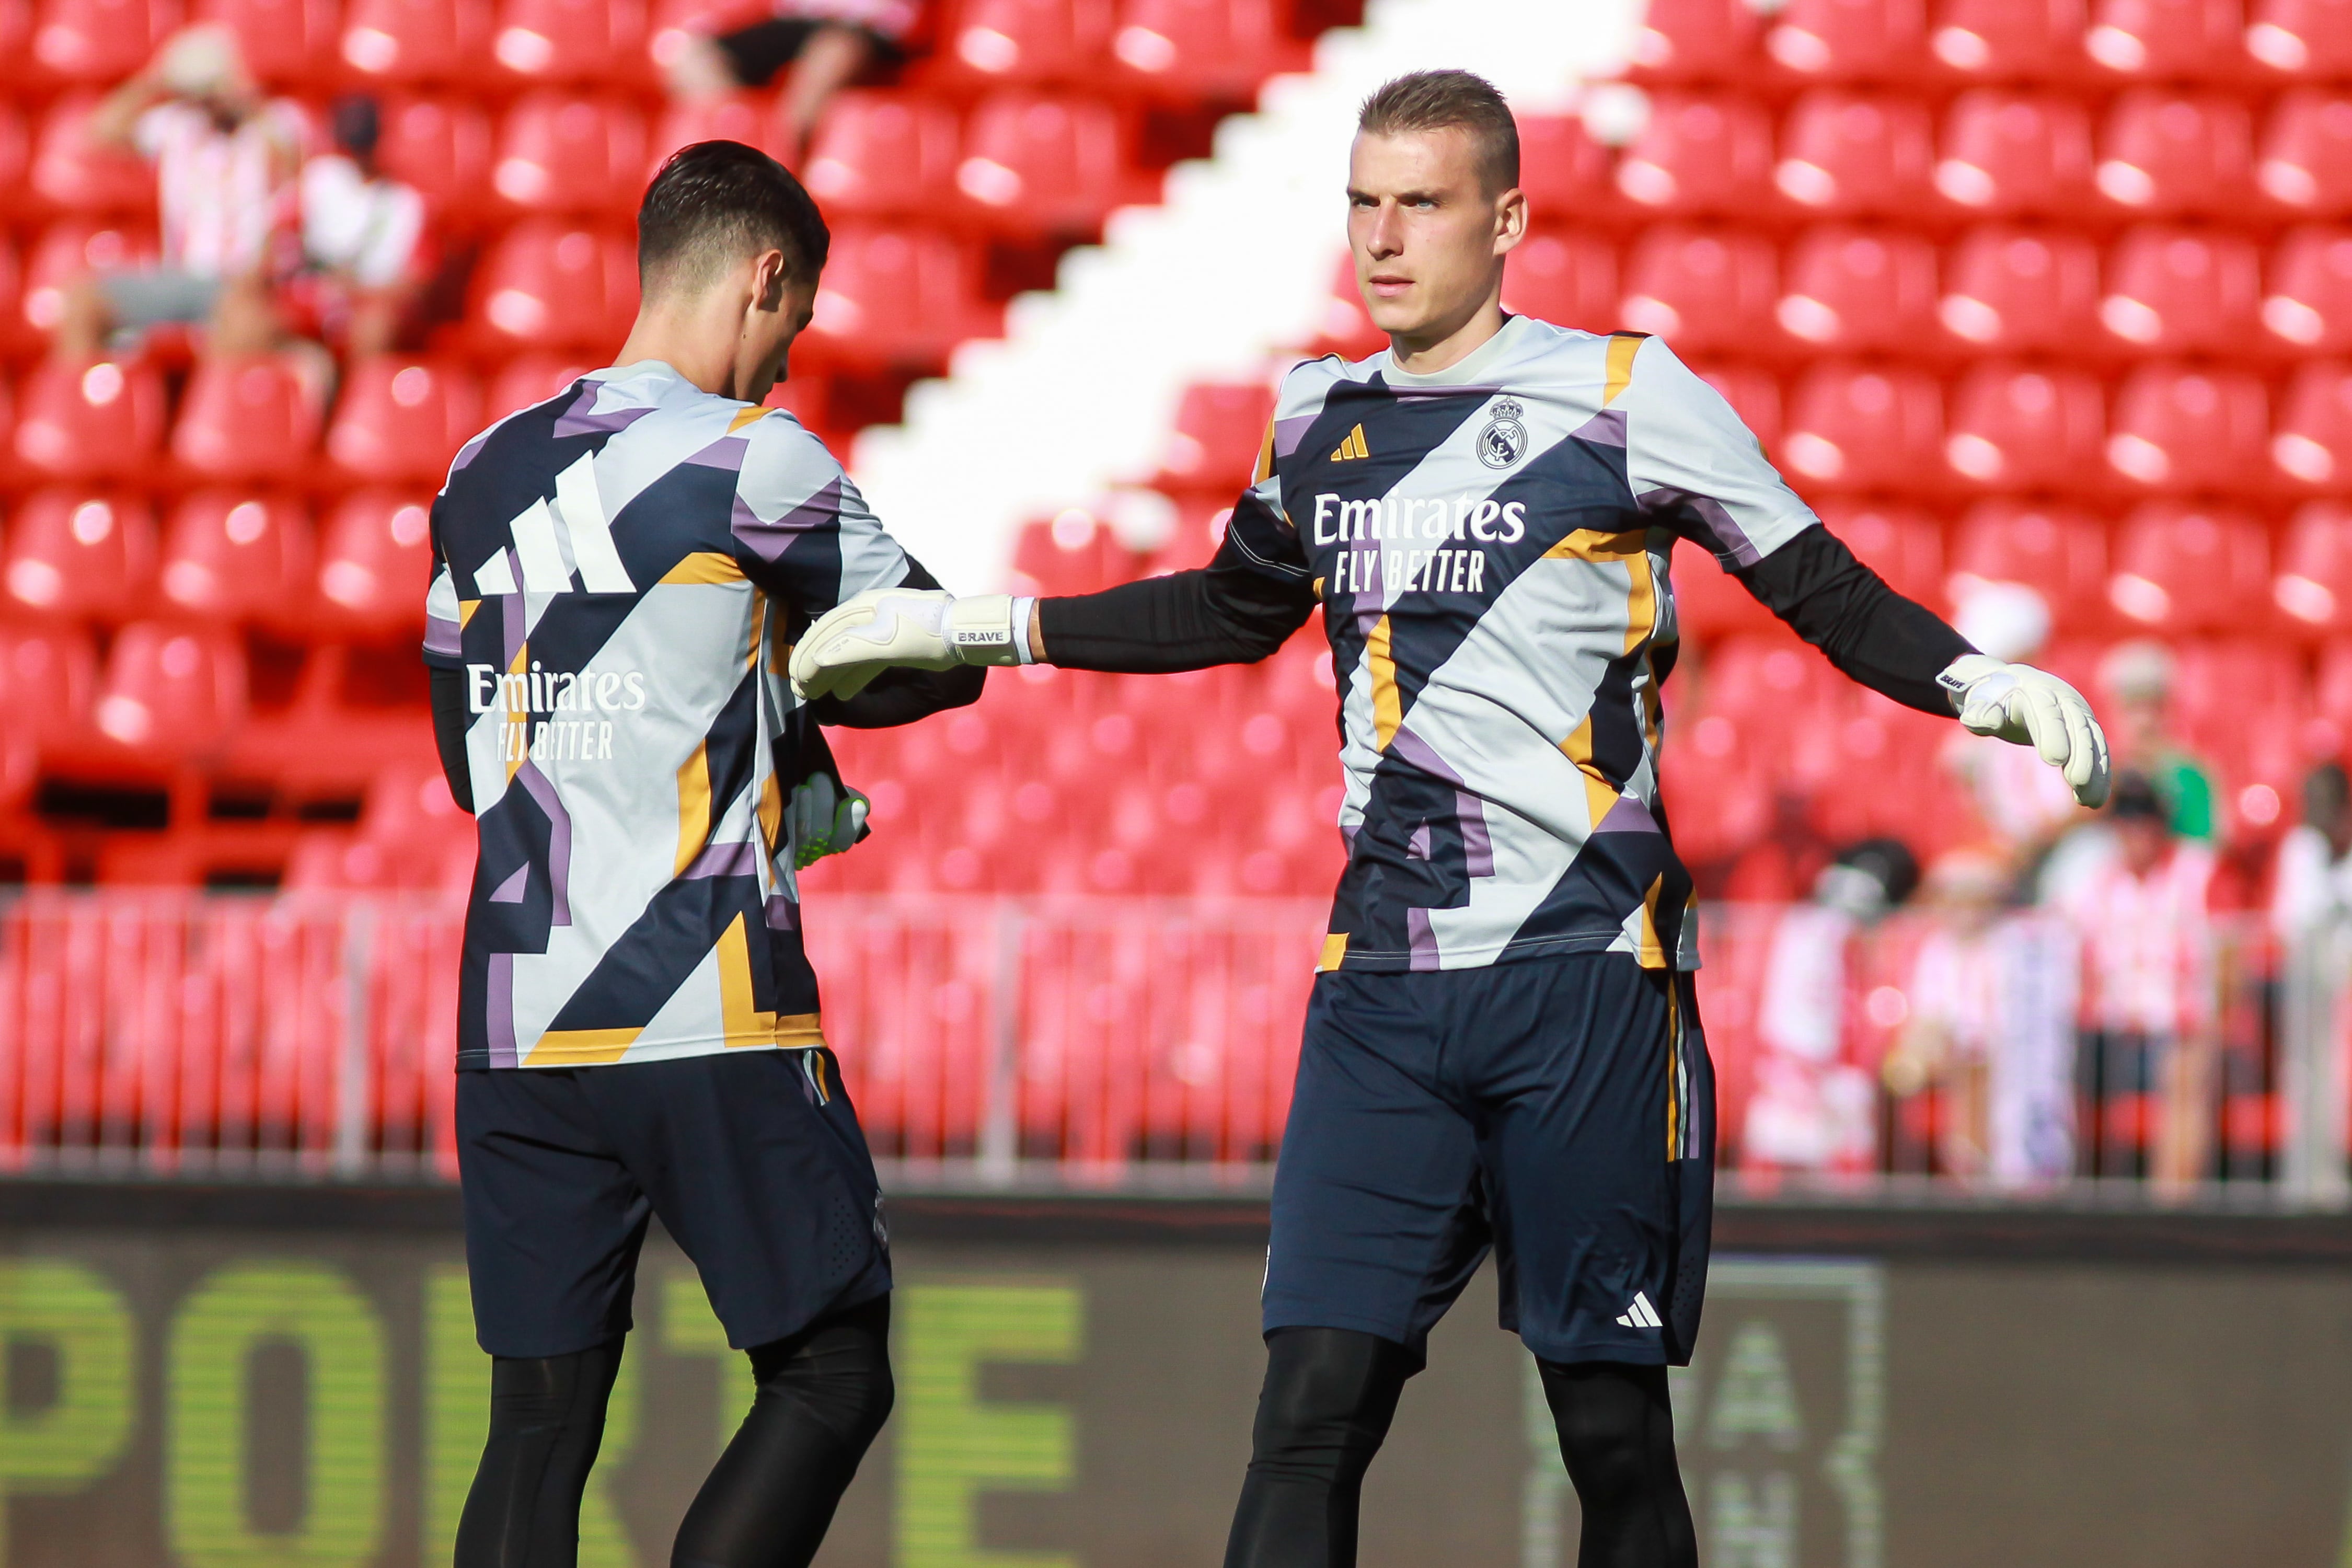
x: 619, y: 572
x: 1490, y: 544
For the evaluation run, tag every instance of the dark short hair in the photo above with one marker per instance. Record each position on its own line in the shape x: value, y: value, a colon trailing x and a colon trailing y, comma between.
x: 1447, y: 100
x: 356, y: 123
x: 717, y: 202
x: 2135, y: 797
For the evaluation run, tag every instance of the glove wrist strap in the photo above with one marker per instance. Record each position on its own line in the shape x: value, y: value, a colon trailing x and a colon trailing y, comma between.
x: 983, y: 628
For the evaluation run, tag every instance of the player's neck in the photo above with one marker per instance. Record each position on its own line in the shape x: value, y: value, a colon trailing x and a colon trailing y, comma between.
x: 697, y: 337
x: 1446, y: 347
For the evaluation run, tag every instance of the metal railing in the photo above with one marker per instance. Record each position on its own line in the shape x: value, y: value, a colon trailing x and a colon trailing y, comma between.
x: 994, y: 1042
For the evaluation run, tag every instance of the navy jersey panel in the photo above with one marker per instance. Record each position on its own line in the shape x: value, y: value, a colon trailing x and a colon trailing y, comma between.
x: 1558, y: 1112
x: 754, y: 1161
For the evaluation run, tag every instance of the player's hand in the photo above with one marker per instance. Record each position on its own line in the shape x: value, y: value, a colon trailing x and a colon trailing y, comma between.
x: 2030, y: 707
x: 824, y: 818
x: 910, y: 628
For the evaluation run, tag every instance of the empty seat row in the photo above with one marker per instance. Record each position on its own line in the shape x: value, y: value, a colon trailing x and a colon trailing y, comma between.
x: 1933, y: 43
x: 2166, y: 151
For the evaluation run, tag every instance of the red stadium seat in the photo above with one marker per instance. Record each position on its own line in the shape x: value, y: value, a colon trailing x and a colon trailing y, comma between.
x: 2314, y: 587
x: 1850, y: 40
x: 418, y: 40
x: 72, y: 552
x: 2009, y: 40
x: 1901, y: 543
x: 2006, y: 152
x: 1563, y: 170
x: 2312, y: 447
x: 1699, y: 152
x: 1754, y: 394
x: 2304, y: 39
x: 560, y: 153
x: 2015, y: 428
x: 1219, y: 428
x: 69, y: 249
x: 2309, y: 304
x: 249, y: 416
x: 1704, y: 289
x: 375, y: 562
x: 50, y: 673
x: 1072, y: 553
x: 2021, y: 289
x: 1033, y: 40
x: 1856, y: 154
x: 442, y: 146
x: 532, y: 378
x: 2177, y: 430
x: 554, y: 286
x: 171, y: 691
x: 2181, y: 568
x: 1697, y: 40
x: 15, y: 153
x: 2305, y: 160
x: 233, y: 556
x: 1859, y: 290
x: 100, y: 40
x: 1570, y: 281
x: 893, y: 296
x: 78, y: 176
x: 284, y: 43
x: 2181, y: 291
x: 399, y: 420
x: 2058, y: 551
x: 572, y: 40
x: 1710, y: 603
x: 2165, y: 153
x: 884, y: 154
x: 100, y: 419
x: 745, y: 117
x: 1857, y: 428
x: 1039, y: 164
x: 1193, y: 50
x: 2164, y: 40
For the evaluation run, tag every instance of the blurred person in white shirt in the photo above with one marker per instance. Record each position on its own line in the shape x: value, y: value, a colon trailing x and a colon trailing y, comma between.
x: 2313, y: 887
x: 224, y: 161
x: 364, y: 240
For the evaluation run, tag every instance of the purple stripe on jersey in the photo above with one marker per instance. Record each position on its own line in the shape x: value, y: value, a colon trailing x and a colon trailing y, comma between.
x: 770, y: 539
x: 559, y: 838
x: 469, y: 451
x: 510, y: 890
x: 581, y: 418
x: 737, y: 859
x: 442, y: 636
x: 1628, y: 815
x: 1422, y: 939
x: 1288, y: 433
x: 1477, y: 843
x: 499, y: 1006
x: 1719, y: 533
x: 783, y: 914
x: 513, y: 619
x: 1606, y: 428
x: 727, y: 452
x: 1416, y: 751
x: 1423, y: 840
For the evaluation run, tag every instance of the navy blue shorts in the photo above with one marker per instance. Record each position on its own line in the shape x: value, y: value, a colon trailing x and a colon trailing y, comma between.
x: 753, y: 1160
x: 1559, y: 1112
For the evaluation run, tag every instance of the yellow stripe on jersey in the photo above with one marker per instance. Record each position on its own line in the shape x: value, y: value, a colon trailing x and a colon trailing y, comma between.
x: 1334, y: 951
x: 1674, y: 1071
x: 1640, y: 600
x: 693, y: 806
x: 1654, y: 952
x: 1388, y: 707
x: 1601, y: 546
x: 1264, y: 457
x: 581, y: 1048
x: 797, y: 1029
x: 745, y: 1024
x: 749, y: 416
x: 466, y: 608
x: 1600, y: 794
x: 772, y: 812
x: 519, y: 716
x: 705, y: 566
x: 1622, y: 347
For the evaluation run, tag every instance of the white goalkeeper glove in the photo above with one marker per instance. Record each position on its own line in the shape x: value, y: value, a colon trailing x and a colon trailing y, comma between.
x: 912, y: 628
x: 2030, y: 707
x: 825, y: 818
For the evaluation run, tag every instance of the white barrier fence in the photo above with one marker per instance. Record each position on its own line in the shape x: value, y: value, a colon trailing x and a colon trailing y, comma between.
x: 1120, y: 1042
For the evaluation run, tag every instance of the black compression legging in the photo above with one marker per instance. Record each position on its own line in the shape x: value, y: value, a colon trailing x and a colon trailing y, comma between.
x: 1330, y: 1395
x: 822, y: 1395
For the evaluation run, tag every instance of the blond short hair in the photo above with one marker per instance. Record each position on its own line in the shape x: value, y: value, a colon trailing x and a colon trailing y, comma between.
x: 1449, y: 100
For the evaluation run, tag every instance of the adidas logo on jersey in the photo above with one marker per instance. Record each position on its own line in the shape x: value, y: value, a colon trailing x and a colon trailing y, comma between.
x: 1640, y: 1315
x: 540, y: 535
x: 1353, y: 448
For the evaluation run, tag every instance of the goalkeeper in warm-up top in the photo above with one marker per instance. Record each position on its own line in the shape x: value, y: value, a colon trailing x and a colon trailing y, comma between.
x: 1503, y: 1051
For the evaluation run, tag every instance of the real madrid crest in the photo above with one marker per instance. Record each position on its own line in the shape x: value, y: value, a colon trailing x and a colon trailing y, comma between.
x: 1504, y: 441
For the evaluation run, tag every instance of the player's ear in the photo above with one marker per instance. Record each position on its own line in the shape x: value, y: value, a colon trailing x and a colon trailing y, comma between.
x: 770, y: 273
x: 1510, y: 220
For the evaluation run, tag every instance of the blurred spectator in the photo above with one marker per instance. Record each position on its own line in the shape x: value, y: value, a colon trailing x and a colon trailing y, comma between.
x: 2146, y: 1070
x: 827, y: 44
x: 2025, y: 802
x: 2137, y: 678
x: 1812, y: 1109
x: 362, y: 237
x: 2313, y: 885
x: 224, y: 164
x: 1992, y: 1001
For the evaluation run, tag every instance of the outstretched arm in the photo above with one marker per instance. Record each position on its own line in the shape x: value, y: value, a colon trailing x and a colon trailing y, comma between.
x: 1186, y: 620
x: 1873, y: 634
